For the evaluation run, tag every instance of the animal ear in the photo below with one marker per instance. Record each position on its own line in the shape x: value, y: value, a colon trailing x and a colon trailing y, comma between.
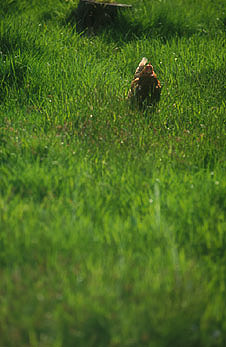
x: 140, y: 66
x: 143, y: 62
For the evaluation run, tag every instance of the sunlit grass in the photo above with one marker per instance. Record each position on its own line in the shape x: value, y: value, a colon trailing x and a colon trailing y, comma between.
x: 112, y: 219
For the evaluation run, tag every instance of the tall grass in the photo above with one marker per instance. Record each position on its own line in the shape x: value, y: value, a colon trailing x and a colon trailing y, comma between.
x: 112, y: 220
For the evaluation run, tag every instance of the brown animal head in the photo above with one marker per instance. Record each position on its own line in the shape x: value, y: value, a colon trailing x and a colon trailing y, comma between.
x: 145, y: 86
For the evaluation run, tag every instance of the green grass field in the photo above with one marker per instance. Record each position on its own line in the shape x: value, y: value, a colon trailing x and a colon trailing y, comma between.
x: 112, y: 219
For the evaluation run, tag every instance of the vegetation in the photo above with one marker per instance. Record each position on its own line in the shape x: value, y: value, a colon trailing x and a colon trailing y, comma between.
x: 112, y: 219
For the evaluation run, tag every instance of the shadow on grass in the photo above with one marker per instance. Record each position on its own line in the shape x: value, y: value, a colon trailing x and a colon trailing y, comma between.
x: 214, y: 80
x: 161, y: 27
x: 124, y: 28
x: 13, y: 54
x: 13, y: 72
x: 10, y: 7
x: 12, y: 41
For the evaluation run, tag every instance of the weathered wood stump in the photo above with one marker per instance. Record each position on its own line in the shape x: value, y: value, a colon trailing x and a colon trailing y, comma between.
x: 95, y: 14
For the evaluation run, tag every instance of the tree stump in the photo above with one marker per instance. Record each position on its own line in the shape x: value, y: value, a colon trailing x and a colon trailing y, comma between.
x: 94, y: 14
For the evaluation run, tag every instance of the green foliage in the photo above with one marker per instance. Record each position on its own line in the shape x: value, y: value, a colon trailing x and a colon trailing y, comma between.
x: 112, y: 220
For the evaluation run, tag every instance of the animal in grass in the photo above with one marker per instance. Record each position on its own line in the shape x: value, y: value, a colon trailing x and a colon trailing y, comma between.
x: 145, y: 87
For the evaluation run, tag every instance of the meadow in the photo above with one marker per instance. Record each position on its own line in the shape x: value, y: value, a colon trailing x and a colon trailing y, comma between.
x: 112, y: 219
